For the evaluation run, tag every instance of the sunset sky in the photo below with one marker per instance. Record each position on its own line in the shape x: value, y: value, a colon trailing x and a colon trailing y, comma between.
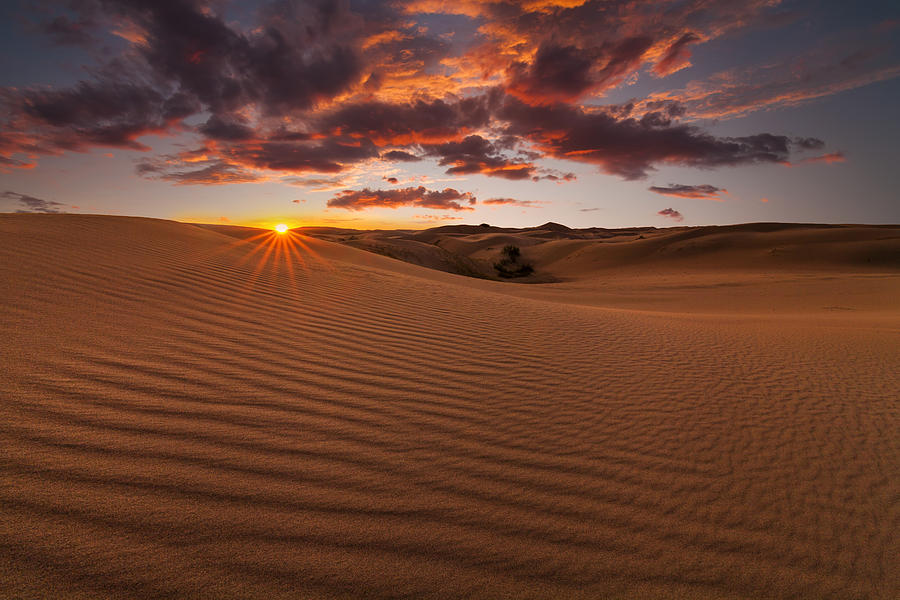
x: 415, y: 113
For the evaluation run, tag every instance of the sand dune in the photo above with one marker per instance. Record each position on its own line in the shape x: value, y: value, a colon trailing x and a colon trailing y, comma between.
x: 561, y: 254
x: 191, y: 414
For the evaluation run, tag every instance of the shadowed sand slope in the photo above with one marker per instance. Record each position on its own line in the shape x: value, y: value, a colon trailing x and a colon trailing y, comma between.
x: 187, y: 414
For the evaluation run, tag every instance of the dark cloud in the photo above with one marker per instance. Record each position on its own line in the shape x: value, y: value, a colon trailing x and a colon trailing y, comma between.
x: 215, y: 172
x: 557, y: 73
x: 405, y: 123
x: 565, y: 73
x: 231, y: 129
x: 671, y: 213
x: 809, y: 143
x: 475, y: 154
x: 310, y: 86
x: 7, y: 162
x: 591, y: 46
x: 331, y: 155
x: 623, y: 58
x: 447, y: 199
x: 631, y: 147
x: 33, y: 204
x: 556, y: 176
x: 100, y: 113
x: 706, y: 191
x: 187, y: 59
x: 400, y: 156
x: 296, y: 56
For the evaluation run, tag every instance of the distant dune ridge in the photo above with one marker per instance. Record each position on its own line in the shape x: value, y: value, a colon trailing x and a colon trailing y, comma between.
x: 561, y: 253
x: 192, y: 412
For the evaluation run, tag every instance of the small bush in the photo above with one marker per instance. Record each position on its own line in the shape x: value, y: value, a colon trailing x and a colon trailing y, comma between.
x: 511, y: 252
x: 509, y: 266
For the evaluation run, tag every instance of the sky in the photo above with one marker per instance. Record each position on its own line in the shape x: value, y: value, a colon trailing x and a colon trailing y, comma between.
x: 419, y: 113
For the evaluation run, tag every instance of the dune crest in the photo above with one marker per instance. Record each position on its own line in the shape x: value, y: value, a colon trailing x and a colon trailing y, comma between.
x: 192, y: 414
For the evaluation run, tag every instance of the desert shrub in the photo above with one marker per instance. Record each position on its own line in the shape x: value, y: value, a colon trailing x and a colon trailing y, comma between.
x: 509, y: 266
x: 511, y: 252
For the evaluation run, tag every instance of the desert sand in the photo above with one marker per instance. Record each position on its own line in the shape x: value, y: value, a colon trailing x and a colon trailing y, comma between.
x: 204, y: 412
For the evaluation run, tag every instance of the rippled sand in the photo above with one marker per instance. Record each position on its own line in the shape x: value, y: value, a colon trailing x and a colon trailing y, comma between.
x: 187, y: 414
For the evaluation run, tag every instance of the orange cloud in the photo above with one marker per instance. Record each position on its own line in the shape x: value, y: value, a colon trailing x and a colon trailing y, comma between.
x: 829, y: 158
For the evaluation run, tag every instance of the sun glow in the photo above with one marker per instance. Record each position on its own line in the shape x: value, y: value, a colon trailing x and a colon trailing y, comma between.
x: 281, y: 228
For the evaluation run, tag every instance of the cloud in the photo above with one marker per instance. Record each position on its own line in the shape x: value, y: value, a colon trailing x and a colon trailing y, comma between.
x: 558, y: 73
x: 297, y: 56
x: 631, y: 147
x: 327, y: 87
x: 705, y: 191
x: 829, y: 158
x: 227, y: 128
x: 446, y: 199
x: 475, y: 154
x: 186, y: 59
x: 836, y: 66
x: 555, y: 50
x: 401, y: 156
x: 677, y: 56
x: 510, y: 202
x: 90, y: 114
x: 437, y: 218
x: 556, y: 176
x: 671, y: 213
x: 32, y: 204
x: 397, y: 124
x: 319, y: 184
x: 331, y: 155
x: 809, y: 143
x: 214, y: 172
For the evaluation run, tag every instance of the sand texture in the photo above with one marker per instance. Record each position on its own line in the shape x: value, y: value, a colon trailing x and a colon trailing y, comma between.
x: 188, y: 413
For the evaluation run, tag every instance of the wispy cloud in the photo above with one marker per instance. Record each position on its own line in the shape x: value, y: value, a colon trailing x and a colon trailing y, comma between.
x: 829, y: 158
x: 511, y: 202
x: 28, y: 203
x: 704, y: 191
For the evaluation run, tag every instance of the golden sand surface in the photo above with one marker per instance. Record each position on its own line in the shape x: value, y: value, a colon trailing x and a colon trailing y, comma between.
x: 191, y: 414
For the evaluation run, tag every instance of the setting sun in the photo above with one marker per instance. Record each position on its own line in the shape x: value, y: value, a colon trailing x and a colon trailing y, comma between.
x: 281, y: 228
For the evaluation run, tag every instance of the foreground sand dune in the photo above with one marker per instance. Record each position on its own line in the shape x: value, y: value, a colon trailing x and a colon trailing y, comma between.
x: 187, y: 414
